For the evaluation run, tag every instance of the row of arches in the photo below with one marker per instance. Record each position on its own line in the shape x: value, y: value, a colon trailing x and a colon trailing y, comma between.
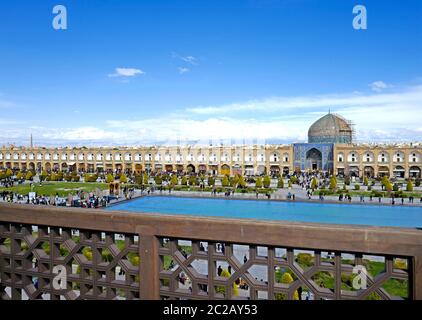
x: 381, y: 157
x: 137, y: 157
x: 224, y: 169
x: 371, y: 172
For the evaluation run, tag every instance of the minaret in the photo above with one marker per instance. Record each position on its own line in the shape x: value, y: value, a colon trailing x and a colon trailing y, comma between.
x: 31, y: 142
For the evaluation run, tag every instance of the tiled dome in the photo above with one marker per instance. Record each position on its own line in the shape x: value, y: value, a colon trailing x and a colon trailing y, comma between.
x: 330, y: 128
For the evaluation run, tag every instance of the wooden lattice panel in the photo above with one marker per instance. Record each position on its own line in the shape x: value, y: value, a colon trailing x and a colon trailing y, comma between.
x: 99, y: 265
x: 192, y: 269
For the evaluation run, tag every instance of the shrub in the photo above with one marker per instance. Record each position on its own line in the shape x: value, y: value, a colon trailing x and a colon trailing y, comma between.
x: 305, y: 259
x: 76, y: 178
x: 184, y: 181
x: 400, y: 264
x: 395, y: 187
x: 90, y: 177
x: 29, y: 175
x: 109, y: 178
x: 280, y: 183
x: 174, y: 181
x: 9, y: 173
x: 211, y: 181
x: 314, y: 183
x: 158, y: 180
x: 193, y: 181
x: 226, y: 274
x: 241, y: 182
x: 225, y: 181
x: 258, y: 183
x: 123, y: 178
x: 409, y: 186
x: 357, y: 187
x: 418, y: 182
x: 333, y: 183
x: 43, y: 175
x: 347, y: 181
x: 286, y: 278
x: 267, y: 182
x: 365, y: 181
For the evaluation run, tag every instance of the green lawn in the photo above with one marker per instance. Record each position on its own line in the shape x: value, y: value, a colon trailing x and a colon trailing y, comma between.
x: 51, y: 188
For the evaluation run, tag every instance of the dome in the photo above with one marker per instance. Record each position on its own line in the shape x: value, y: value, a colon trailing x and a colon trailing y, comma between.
x: 330, y: 128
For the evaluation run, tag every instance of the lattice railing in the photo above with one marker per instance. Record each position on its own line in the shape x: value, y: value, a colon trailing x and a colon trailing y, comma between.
x: 59, y: 253
x: 212, y: 270
x: 96, y: 265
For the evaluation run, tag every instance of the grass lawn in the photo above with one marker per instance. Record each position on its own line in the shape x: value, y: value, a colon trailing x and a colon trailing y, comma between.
x: 51, y: 188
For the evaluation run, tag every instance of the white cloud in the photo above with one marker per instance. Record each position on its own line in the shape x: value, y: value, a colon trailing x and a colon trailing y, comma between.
x: 409, y: 98
x: 188, y: 59
x: 183, y: 70
x: 379, y: 86
x: 383, y: 117
x: 126, y: 72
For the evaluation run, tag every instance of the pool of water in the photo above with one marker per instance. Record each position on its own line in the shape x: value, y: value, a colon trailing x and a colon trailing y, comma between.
x: 374, y: 215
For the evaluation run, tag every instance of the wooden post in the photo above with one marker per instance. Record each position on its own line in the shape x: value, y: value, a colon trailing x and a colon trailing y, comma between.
x: 149, y: 285
x: 417, y: 277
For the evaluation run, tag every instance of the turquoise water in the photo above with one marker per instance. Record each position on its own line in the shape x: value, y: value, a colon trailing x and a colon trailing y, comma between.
x: 374, y: 215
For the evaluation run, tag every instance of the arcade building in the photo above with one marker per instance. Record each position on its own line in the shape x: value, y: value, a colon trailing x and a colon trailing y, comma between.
x: 330, y: 148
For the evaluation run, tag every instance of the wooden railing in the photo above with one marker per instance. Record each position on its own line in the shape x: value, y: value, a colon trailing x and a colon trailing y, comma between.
x: 67, y: 253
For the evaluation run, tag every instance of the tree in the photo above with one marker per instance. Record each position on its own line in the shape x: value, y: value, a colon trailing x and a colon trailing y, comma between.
x: 138, y: 179
x: 333, y: 183
x: 225, y: 181
x: 365, y: 181
x: 145, y: 177
x: 385, y: 182
x: 357, y: 186
x: 158, y: 180
x: 19, y: 175
x: 314, y: 183
x: 123, y: 178
x: 109, y: 178
x: 242, y: 182
x: 347, y: 181
x: 43, y: 175
x: 234, y: 181
x: 267, y: 182
x: 29, y: 175
x: 184, y: 181
x: 290, y: 183
x: 280, y: 183
x: 174, y: 181
x: 258, y: 183
x: 226, y: 274
x: 409, y: 186
x: 211, y: 181
x: 9, y: 173
x: 193, y: 181
x: 286, y: 278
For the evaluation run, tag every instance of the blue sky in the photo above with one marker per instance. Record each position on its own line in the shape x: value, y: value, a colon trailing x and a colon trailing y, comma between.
x: 140, y: 72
